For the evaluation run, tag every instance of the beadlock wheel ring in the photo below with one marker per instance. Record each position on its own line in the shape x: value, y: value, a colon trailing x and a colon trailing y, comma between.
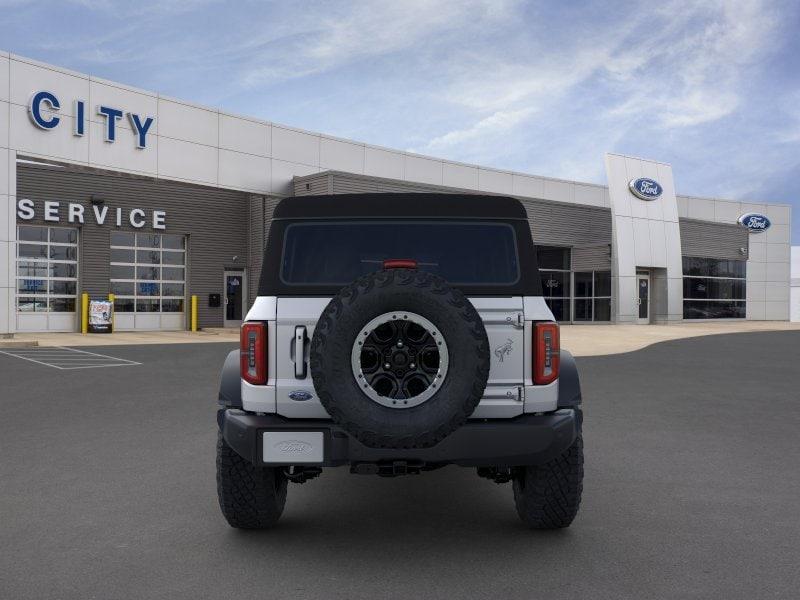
x: 399, y: 359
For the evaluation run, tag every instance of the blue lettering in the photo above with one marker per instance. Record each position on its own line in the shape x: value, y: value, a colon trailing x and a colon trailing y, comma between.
x: 80, y: 118
x: 111, y: 115
x: 44, y: 104
x: 141, y: 129
x: 35, y: 109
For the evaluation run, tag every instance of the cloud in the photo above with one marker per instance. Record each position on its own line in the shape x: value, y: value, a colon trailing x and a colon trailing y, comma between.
x: 667, y: 67
x: 690, y: 71
x: 346, y: 33
x: 711, y: 86
x: 492, y: 125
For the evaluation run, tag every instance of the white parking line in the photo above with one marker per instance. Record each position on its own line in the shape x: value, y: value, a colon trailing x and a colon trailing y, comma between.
x: 67, y: 359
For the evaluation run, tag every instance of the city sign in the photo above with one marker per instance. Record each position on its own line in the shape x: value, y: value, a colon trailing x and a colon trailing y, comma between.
x: 44, y: 106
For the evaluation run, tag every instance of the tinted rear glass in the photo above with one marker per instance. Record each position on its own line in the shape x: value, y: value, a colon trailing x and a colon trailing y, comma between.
x: 337, y: 252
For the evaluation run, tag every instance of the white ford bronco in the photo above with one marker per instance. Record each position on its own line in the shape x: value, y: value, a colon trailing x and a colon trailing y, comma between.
x: 395, y: 334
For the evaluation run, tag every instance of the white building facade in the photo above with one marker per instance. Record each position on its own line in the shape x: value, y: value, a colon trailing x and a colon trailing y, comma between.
x: 109, y: 189
x: 795, y: 285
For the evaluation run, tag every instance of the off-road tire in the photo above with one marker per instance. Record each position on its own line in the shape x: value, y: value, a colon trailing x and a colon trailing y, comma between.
x: 250, y: 497
x: 548, y: 496
x: 425, y: 294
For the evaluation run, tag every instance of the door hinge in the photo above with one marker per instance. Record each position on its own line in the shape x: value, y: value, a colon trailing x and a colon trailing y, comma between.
x: 520, y: 394
x: 518, y: 321
x: 300, y: 352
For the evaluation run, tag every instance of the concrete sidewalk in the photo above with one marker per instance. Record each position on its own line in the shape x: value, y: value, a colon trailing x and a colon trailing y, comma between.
x: 597, y: 340
x: 121, y: 338
x: 581, y: 340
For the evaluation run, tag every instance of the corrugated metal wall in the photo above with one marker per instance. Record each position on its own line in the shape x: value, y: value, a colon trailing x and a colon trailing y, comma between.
x: 336, y: 182
x: 591, y: 258
x: 586, y: 228
x: 214, y: 219
x: 558, y: 224
x: 713, y: 240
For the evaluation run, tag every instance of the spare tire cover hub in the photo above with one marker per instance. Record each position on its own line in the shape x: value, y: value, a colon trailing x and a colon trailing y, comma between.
x: 400, y: 359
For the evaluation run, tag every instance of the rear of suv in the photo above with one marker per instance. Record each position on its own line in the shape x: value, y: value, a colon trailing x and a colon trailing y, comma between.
x: 396, y: 334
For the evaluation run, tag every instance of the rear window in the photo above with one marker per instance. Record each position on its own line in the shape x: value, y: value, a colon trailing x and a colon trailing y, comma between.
x: 337, y: 252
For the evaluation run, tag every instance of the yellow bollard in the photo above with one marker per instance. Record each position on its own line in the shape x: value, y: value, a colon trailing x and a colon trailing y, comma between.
x: 84, y: 312
x: 194, y: 313
x: 111, y: 298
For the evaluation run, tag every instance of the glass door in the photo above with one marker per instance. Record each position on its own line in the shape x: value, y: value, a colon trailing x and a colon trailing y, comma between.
x: 643, y: 288
x: 234, y: 298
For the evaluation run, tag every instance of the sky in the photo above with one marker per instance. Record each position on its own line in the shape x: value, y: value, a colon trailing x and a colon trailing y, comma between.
x: 712, y: 87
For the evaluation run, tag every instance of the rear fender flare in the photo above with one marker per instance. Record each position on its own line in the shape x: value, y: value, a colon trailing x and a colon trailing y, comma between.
x: 230, y: 384
x: 569, y: 384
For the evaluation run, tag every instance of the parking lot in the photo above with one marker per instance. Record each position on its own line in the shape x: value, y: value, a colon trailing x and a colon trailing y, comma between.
x: 692, y: 490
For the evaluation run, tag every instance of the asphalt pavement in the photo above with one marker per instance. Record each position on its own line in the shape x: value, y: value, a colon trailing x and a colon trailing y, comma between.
x: 692, y: 490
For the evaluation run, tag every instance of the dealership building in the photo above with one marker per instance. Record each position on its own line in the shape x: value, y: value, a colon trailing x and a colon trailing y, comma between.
x: 107, y: 189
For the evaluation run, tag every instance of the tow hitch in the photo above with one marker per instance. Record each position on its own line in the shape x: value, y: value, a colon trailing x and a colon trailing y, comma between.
x: 495, y: 474
x: 391, y: 469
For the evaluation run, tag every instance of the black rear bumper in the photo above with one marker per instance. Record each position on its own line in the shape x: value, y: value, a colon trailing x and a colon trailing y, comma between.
x: 524, y: 440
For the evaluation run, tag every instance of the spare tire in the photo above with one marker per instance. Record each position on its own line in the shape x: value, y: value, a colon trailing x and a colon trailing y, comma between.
x: 400, y: 359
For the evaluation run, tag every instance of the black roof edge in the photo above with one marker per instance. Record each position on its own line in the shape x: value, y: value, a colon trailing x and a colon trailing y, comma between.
x: 407, y: 204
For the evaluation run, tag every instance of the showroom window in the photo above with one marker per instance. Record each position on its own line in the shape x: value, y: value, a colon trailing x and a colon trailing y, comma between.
x: 554, y: 268
x: 714, y: 288
x: 47, y: 269
x: 592, y: 296
x: 148, y: 272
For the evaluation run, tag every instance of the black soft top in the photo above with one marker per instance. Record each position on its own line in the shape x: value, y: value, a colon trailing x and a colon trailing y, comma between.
x: 428, y: 206
x: 451, y: 206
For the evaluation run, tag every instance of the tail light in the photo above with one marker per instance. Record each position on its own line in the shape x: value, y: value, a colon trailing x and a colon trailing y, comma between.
x: 253, y: 352
x: 546, y: 353
x: 399, y: 263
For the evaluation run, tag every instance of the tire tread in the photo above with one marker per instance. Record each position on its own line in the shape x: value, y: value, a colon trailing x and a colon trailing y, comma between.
x: 250, y: 497
x: 548, y: 496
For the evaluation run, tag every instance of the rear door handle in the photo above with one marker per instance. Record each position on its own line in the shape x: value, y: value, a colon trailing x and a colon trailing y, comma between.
x: 300, y: 352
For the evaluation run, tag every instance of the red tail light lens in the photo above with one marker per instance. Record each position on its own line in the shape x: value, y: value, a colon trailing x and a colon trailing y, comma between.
x: 399, y: 263
x: 253, y: 352
x: 546, y: 353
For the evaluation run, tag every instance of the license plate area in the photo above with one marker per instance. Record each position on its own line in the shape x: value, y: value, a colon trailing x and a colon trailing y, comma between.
x: 293, y: 447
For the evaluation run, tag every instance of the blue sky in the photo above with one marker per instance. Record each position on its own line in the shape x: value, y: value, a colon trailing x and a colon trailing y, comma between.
x: 712, y: 87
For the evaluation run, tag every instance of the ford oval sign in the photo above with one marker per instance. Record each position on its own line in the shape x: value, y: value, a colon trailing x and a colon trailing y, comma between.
x: 646, y: 189
x: 754, y: 222
x: 300, y: 395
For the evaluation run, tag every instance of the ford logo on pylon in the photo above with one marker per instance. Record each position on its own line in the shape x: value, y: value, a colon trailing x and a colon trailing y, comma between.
x: 646, y: 189
x: 754, y: 222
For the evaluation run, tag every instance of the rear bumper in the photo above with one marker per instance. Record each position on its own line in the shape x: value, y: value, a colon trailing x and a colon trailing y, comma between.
x: 524, y: 440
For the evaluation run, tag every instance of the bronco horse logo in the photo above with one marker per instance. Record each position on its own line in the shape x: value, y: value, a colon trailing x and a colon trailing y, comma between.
x: 504, y: 350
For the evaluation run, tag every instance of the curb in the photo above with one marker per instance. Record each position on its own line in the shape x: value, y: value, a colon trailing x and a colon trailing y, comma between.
x: 18, y: 344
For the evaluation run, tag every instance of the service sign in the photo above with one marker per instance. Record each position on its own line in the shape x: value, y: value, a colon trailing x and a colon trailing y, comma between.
x: 100, y: 316
x: 72, y: 212
x: 754, y: 222
x: 645, y: 189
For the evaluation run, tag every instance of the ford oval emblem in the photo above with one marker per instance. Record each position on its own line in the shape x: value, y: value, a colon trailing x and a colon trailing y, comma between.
x: 754, y: 222
x: 300, y: 395
x: 293, y: 447
x: 646, y: 189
